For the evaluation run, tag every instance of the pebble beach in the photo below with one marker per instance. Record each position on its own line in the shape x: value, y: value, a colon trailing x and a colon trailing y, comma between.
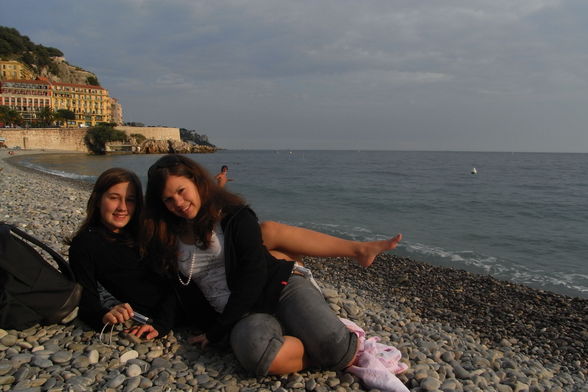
x: 457, y: 331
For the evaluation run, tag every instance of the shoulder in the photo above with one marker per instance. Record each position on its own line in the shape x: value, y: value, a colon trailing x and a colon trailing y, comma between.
x: 239, y: 215
x: 86, y: 237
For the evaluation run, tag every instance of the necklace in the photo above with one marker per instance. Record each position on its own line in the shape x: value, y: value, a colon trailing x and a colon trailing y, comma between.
x: 191, y: 271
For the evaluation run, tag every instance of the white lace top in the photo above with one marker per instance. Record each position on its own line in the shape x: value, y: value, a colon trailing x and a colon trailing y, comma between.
x: 209, y: 268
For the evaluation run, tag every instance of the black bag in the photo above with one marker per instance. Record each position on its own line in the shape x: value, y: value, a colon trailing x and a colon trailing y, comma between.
x: 32, y: 291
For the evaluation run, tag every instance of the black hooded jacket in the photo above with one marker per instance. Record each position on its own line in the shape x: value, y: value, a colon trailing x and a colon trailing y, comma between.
x: 255, y: 278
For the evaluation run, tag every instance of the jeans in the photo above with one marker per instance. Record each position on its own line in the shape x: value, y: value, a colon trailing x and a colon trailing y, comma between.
x: 302, y: 312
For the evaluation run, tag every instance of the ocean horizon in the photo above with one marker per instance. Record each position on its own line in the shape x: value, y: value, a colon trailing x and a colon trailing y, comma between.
x: 521, y: 218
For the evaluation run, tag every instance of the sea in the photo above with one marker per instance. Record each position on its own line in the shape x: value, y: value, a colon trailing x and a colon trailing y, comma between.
x: 523, y: 217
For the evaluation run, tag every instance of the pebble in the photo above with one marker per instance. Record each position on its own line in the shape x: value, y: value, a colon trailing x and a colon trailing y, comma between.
x: 133, y: 370
x: 457, y: 331
x: 131, y: 354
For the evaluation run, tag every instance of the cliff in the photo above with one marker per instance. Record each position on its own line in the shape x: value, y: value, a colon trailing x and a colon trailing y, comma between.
x: 67, y: 73
x: 41, y: 60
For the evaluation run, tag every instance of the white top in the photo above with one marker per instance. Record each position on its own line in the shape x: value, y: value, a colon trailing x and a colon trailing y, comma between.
x: 209, y: 268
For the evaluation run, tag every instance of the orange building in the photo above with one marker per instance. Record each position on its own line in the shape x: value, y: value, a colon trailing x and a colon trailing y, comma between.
x: 90, y: 104
x: 27, y: 97
x: 12, y: 69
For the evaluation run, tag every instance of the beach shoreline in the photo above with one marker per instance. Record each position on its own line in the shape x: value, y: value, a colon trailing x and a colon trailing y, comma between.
x: 457, y: 330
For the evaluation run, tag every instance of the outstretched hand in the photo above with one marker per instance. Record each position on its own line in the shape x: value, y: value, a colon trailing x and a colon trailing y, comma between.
x: 139, y: 330
x: 118, y: 314
x: 201, y: 339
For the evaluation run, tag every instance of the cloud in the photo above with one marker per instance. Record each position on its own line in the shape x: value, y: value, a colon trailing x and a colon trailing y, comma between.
x: 426, y: 71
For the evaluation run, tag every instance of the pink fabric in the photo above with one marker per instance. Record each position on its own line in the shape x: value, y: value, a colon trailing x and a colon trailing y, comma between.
x: 376, y: 364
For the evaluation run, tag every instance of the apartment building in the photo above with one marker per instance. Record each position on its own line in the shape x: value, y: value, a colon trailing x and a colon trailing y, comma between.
x: 90, y: 104
x: 12, y: 70
x: 26, y: 96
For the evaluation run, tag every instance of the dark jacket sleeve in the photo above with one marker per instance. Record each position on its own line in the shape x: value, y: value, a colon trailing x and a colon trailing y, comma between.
x: 246, y: 271
x: 83, y: 266
x: 164, y: 316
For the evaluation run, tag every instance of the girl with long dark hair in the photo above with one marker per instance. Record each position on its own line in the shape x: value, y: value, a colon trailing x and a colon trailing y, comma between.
x: 210, y: 243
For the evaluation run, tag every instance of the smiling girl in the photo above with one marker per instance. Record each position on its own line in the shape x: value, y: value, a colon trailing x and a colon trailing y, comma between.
x: 104, y: 252
x: 210, y: 243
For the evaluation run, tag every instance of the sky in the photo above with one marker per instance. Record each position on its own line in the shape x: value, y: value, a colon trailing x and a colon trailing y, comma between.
x: 459, y: 75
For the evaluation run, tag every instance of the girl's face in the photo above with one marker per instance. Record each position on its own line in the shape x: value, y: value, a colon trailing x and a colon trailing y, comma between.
x: 180, y: 196
x: 117, y: 206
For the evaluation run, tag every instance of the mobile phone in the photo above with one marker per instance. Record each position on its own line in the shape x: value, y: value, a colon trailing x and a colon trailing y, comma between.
x: 140, y: 319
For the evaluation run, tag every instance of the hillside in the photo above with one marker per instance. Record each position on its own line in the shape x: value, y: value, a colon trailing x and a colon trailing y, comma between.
x: 41, y: 60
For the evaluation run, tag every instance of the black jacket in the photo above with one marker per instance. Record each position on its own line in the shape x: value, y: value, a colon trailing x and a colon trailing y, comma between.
x: 255, y: 278
x: 99, y: 256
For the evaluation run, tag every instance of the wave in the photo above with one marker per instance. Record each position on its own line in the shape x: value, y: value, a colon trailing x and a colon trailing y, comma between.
x: 58, y: 173
x: 573, y: 284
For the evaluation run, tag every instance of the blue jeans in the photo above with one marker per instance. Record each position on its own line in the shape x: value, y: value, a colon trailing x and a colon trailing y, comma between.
x: 303, y: 313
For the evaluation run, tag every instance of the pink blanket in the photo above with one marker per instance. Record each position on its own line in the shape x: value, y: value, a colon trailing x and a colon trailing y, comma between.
x: 376, y: 364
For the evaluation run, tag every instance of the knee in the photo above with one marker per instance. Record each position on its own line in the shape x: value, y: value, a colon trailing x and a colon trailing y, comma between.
x: 256, y: 340
x: 336, y: 352
x: 268, y: 231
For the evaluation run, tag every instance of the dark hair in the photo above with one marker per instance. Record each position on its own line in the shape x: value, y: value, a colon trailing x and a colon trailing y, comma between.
x: 162, y: 227
x: 105, y: 181
x: 223, y: 167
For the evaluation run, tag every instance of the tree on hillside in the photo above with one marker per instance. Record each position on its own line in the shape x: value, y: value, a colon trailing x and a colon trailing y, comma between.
x: 191, y: 136
x: 19, y: 47
x: 97, y: 137
x: 92, y: 81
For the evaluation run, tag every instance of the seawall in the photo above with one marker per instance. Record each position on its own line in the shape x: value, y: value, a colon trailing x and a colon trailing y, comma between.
x: 72, y: 139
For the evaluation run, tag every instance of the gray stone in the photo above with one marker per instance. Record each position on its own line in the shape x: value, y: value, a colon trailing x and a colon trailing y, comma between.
x: 310, y: 384
x: 93, y: 357
x: 116, y: 381
x: 9, y: 340
x: 459, y: 371
x: 20, y: 359
x: 133, y: 370
x: 154, y: 354
x: 42, y: 363
x: 5, y: 367
x: 61, y: 357
x: 6, y: 380
x: 131, y: 354
x: 430, y: 384
x: 132, y: 384
x: 162, y: 379
x: 161, y: 363
x: 81, y: 362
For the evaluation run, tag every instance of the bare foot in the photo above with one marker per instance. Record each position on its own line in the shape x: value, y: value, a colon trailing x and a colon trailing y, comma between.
x: 368, y: 252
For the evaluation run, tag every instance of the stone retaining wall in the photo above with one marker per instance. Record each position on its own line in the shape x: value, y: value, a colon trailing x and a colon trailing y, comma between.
x: 72, y: 139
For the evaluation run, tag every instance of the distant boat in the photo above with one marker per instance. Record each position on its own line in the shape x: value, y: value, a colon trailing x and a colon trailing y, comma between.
x: 474, y: 171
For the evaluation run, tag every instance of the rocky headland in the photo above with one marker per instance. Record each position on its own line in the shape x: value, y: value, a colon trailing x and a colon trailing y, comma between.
x: 456, y: 330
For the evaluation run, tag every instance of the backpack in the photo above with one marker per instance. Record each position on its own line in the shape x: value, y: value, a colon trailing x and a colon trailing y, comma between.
x: 32, y: 291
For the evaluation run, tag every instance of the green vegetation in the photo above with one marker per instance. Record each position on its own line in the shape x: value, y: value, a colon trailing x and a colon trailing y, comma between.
x: 64, y: 115
x: 92, y: 81
x: 45, y: 116
x: 14, y: 46
x: 190, y: 136
x: 139, y: 137
x: 10, y: 116
x: 97, y: 137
